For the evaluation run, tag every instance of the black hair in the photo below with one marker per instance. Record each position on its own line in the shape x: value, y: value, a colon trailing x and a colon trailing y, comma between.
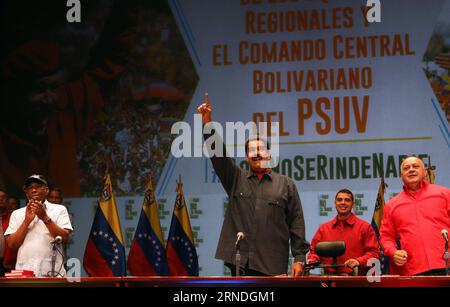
x: 53, y: 188
x: 346, y: 191
x: 16, y: 198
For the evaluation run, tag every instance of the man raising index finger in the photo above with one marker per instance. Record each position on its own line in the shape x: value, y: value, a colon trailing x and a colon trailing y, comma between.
x: 264, y: 206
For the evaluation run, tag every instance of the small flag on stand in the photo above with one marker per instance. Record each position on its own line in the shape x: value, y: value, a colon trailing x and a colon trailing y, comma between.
x: 181, y: 254
x: 431, y: 177
x: 376, y: 223
x: 105, y: 253
x: 147, y: 255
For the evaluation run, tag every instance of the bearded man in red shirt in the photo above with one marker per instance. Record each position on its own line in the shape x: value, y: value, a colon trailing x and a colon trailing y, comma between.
x: 416, y: 216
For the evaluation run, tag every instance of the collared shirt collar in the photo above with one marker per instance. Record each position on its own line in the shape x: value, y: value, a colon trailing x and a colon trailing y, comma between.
x: 423, y: 185
x: 349, y: 221
x: 251, y: 173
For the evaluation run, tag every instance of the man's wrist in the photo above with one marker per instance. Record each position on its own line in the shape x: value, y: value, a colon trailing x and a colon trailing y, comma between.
x: 47, y: 220
x: 299, y: 258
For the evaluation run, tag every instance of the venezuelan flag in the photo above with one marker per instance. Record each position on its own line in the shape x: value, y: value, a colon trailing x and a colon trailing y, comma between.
x: 147, y: 255
x: 379, y: 208
x: 431, y: 177
x: 180, y: 250
x: 105, y: 253
x: 376, y: 223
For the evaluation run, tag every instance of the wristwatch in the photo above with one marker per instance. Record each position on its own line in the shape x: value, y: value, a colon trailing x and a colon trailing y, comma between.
x: 47, y: 221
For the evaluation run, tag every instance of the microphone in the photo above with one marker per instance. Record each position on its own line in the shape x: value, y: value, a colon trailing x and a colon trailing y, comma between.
x: 313, y: 264
x: 444, y: 233
x: 56, y: 240
x: 240, y: 236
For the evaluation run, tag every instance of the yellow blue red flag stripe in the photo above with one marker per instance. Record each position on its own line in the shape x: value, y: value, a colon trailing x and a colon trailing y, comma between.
x: 147, y: 255
x: 105, y: 253
x: 181, y: 253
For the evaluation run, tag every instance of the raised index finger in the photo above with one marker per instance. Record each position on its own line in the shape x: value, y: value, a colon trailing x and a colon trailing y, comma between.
x: 207, y: 100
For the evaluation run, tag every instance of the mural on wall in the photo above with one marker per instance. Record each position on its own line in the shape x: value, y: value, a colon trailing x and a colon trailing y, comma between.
x: 82, y: 96
x: 437, y: 62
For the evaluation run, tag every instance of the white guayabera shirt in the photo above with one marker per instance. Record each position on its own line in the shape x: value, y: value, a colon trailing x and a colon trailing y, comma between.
x: 35, y: 253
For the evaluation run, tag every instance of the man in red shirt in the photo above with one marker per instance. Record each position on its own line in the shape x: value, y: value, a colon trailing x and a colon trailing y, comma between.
x: 360, y: 240
x: 416, y: 215
x: 7, y: 255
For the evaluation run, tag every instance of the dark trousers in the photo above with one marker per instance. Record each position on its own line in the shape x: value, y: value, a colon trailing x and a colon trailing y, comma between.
x: 2, y: 268
x: 244, y: 271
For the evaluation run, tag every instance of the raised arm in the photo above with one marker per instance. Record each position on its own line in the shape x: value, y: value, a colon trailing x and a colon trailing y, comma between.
x: 18, y: 230
x: 224, y: 166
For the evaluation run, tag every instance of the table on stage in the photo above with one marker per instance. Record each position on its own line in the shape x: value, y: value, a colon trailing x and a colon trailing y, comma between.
x: 205, y: 281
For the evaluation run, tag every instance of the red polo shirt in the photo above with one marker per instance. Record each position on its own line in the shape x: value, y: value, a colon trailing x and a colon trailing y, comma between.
x: 418, y: 220
x: 360, y: 242
x: 10, y: 255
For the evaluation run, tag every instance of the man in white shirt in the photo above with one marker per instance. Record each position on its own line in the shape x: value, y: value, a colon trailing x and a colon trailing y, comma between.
x: 33, y: 229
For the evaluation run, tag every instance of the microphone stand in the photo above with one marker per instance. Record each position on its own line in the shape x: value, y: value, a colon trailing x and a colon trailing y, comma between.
x: 446, y: 257
x: 53, y: 271
x: 238, y: 260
